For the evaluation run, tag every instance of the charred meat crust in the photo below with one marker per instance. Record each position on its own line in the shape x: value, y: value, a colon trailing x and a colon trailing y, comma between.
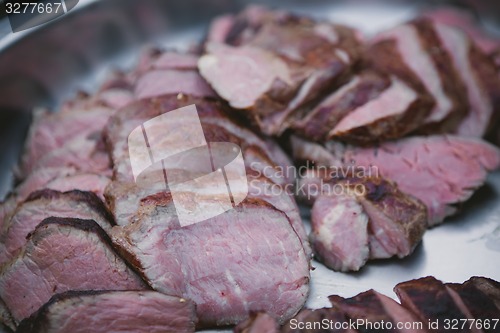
x: 90, y: 198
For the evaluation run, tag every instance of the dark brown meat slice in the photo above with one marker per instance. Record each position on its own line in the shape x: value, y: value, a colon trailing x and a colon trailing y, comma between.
x: 397, y: 111
x: 474, y: 302
x: 313, y: 321
x: 358, y: 219
x: 112, y: 311
x: 430, y: 300
x: 277, y: 63
x: 218, y: 263
x: 318, y: 122
x: 63, y: 254
x: 373, y: 309
x: 259, y: 322
x: 47, y: 203
x: 488, y: 287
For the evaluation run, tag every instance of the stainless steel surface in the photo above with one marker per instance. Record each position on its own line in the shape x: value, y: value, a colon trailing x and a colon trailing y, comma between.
x: 44, y: 66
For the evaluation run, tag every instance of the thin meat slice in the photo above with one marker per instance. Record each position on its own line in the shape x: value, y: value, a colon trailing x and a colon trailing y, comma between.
x: 259, y: 322
x: 430, y: 300
x: 313, y: 321
x: 53, y: 131
x: 87, y: 182
x: 112, y: 311
x: 373, y: 308
x: 276, y: 63
x: 219, y: 263
x: 362, y: 88
x: 358, y: 219
x: 63, y: 254
x: 414, y: 52
x: 394, y: 113
x: 44, y: 204
x: 37, y: 180
x: 489, y: 287
x: 479, y: 74
x: 445, y: 170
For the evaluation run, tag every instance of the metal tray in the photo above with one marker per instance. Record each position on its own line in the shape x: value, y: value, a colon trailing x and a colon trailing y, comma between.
x: 44, y: 66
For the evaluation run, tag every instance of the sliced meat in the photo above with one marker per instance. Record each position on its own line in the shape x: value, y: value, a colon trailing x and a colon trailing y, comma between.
x: 39, y: 179
x: 489, y: 287
x: 474, y: 303
x: 445, y: 170
x: 81, y: 153
x: 44, y: 204
x: 87, y: 182
x: 171, y: 81
x: 259, y: 322
x: 479, y: 74
x: 277, y: 63
x: 318, y: 122
x: 397, y: 111
x: 464, y: 21
x: 358, y: 219
x: 112, y: 311
x: 340, y: 232
x: 430, y: 300
x: 227, y: 254
x: 373, y: 308
x: 52, y: 131
x: 63, y: 254
x: 313, y: 321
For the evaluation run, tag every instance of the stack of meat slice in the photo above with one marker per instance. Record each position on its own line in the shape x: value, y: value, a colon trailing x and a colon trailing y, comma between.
x: 426, y: 305
x: 438, y: 171
x: 217, y: 263
x: 272, y: 64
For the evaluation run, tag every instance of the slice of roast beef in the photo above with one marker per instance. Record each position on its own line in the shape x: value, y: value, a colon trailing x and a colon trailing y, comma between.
x: 480, y: 76
x: 86, y: 182
x: 362, y: 88
x: 445, y: 170
x: 63, y: 254
x: 112, y: 311
x: 219, y: 263
x: 397, y: 111
x: 277, y: 63
x: 489, y: 287
x: 430, y: 300
x: 46, y: 203
x: 372, y: 309
x: 259, y: 322
x: 358, y: 219
x: 51, y: 131
x: 473, y: 302
x: 39, y: 179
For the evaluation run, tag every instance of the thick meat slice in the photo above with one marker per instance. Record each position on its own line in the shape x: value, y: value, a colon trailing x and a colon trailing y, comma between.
x: 112, y: 311
x: 397, y: 111
x: 480, y: 76
x: 444, y: 170
x: 340, y: 232
x: 430, y: 300
x: 259, y: 322
x: 63, y: 254
x: 318, y: 122
x: 88, y: 182
x: 47, y: 203
x: 278, y: 64
x: 219, y: 263
x: 52, y: 131
x: 358, y: 219
x: 488, y: 287
x: 374, y: 308
x: 317, y: 321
